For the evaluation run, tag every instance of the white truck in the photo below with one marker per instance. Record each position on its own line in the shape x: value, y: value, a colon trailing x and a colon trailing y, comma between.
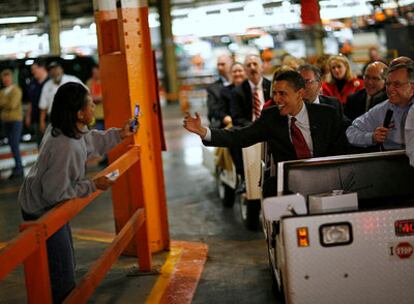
x: 341, y: 229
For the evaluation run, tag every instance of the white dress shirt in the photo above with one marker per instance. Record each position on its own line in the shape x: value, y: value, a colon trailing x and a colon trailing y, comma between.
x: 316, y: 101
x: 49, y: 90
x: 302, y: 122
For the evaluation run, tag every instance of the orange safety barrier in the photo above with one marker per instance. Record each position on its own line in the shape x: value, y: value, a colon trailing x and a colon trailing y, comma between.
x: 29, y: 247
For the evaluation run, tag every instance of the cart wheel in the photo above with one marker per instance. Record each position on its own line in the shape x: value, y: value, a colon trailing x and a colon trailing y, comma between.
x: 226, y: 194
x: 277, y: 289
x: 250, y: 210
x: 272, y: 273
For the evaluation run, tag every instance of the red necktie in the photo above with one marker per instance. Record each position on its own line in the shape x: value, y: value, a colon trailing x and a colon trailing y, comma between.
x: 298, y: 141
x: 256, y: 104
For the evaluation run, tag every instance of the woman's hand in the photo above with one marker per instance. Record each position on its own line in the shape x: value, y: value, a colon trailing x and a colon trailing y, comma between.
x: 127, y: 130
x: 103, y: 183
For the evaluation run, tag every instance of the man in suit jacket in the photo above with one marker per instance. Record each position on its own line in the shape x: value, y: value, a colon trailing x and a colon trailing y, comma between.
x: 313, y: 87
x: 213, y: 90
x: 374, y: 92
x: 372, y: 129
x: 241, y: 106
x: 319, y: 125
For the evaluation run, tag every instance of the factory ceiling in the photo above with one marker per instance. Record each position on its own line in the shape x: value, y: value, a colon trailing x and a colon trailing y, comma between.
x: 78, y: 8
x: 80, y: 12
x: 72, y: 12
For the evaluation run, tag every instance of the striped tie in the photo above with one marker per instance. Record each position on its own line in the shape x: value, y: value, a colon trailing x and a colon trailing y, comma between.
x: 256, y: 104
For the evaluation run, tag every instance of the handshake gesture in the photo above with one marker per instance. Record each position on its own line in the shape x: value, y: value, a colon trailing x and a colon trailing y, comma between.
x: 193, y: 124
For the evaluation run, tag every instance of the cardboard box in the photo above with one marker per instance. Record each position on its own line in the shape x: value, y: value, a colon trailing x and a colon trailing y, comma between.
x: 333, y: 201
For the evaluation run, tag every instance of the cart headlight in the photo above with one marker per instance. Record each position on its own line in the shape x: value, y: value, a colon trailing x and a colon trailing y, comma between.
x: 335, y: 234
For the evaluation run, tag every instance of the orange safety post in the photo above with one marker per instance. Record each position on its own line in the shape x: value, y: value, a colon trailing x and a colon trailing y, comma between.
x: 36, y: 268
x: 128, y: 78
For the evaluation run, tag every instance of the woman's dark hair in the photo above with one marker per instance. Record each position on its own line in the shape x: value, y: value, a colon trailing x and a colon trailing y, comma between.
x: 69, y: 99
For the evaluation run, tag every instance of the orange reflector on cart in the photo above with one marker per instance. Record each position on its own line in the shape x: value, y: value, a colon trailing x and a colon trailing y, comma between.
x: 303, y: 236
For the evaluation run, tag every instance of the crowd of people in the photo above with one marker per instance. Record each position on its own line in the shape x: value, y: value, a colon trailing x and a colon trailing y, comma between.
x: 305, y: 113
x: 40, y: 97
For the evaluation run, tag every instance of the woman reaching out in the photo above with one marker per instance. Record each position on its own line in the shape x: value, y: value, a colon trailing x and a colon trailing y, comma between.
x: 59, y: 174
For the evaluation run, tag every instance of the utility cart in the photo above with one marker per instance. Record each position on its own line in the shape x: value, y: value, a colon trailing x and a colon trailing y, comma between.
x: 341, y: 229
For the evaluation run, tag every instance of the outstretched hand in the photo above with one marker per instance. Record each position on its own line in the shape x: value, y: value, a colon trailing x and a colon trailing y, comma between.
x: 193, y: 124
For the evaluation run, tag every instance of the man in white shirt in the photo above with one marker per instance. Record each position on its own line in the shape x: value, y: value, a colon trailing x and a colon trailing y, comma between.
x: 409, y: 135
x: 57, y: 78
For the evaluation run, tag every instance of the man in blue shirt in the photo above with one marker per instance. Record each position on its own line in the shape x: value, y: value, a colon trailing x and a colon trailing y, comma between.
x: 409, y: 135
x: 40, y: 76
x: 368, y: 130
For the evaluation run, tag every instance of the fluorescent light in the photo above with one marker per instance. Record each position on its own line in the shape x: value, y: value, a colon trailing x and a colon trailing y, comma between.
x: 69, y: 57
x: 22, y: 19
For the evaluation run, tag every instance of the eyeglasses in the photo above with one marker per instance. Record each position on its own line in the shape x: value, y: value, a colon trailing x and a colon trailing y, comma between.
x: 310, y: 81
x: 376, y: 79
x: 396, y: 84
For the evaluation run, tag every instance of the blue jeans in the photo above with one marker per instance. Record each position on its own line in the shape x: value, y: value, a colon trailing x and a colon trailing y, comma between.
x: 61, y: 261
x: 13, y: 130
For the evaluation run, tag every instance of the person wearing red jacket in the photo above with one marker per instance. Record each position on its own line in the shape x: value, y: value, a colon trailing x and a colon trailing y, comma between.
x: 342, y: 82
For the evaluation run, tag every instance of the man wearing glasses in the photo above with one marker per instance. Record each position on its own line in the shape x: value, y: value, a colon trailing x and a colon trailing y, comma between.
x: 374, y: 92
x: 313, y: 88
x: 382, y: 126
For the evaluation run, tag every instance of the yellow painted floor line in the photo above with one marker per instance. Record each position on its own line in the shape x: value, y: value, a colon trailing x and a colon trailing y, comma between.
x: 93, y: 235
x: 180, y: 274
x: 8, y: 190
x: 165, y: 277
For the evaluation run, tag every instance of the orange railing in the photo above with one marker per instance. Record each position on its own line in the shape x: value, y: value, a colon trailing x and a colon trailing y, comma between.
x: 29, y: 247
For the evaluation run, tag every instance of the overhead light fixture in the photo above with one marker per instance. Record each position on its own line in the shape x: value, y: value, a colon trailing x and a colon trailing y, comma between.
x: 22, y: 19
x: 29, y: 62
x: 69, y: 57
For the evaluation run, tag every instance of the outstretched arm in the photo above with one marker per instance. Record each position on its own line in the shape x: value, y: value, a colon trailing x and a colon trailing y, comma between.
x: 100, y: 142
x: 193, y: 124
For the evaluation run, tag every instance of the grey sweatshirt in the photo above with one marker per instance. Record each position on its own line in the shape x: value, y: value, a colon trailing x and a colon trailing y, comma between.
x: 59, y: 173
